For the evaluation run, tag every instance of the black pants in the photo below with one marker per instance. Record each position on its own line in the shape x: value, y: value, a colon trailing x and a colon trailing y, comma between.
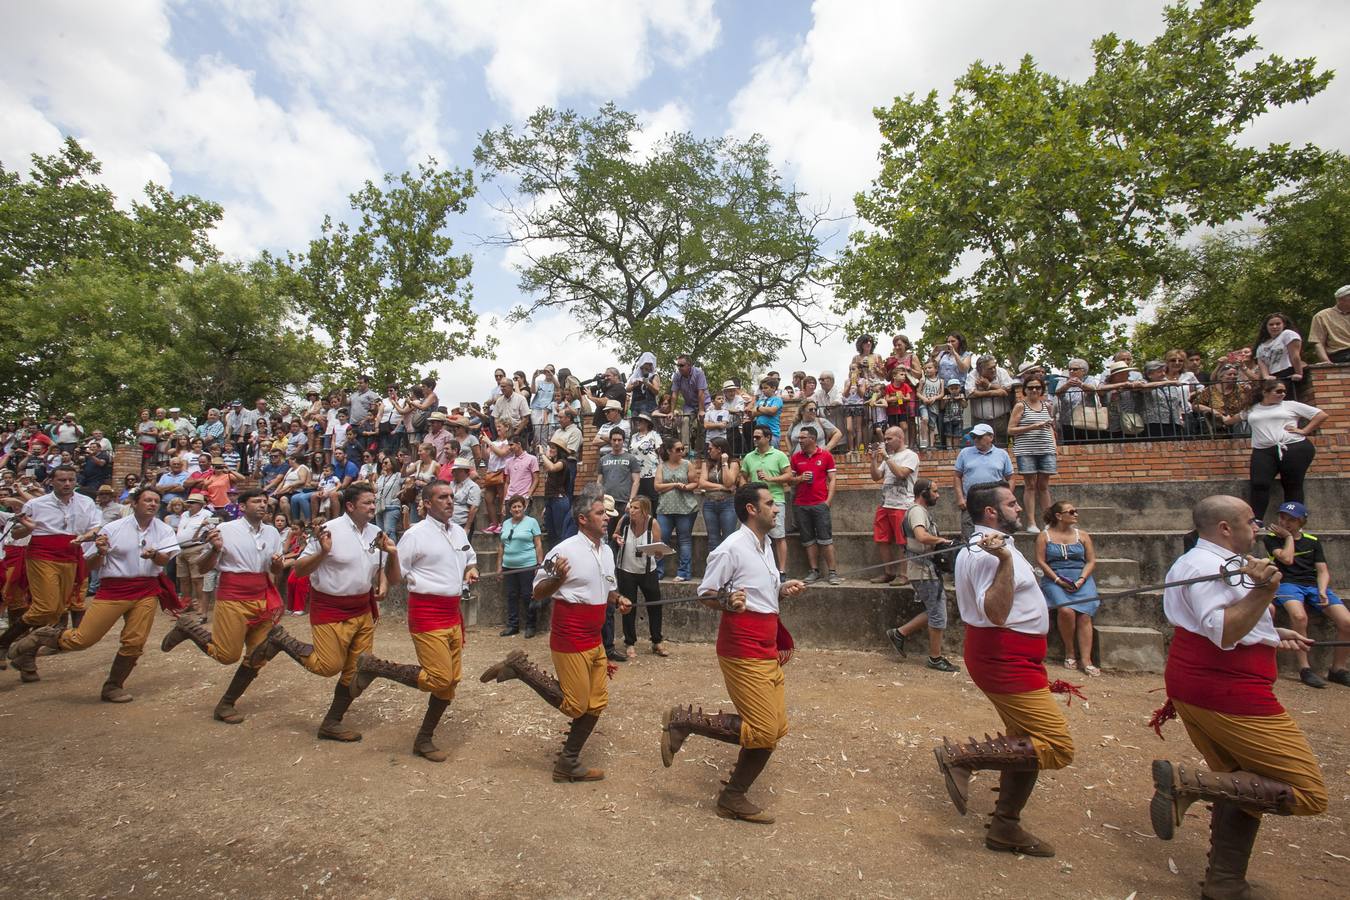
x: 650, y: 586
x: 1290, y: 467
x: 647, y: 488
x: 519, y: 589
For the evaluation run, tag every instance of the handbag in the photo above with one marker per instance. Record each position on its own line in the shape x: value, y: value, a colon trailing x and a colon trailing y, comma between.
x: 1090, y: 418
x: 1131, y: 423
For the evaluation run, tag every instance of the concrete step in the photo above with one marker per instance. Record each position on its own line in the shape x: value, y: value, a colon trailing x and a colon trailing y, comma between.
x: 1118, y: 574
x: 1130, y: 648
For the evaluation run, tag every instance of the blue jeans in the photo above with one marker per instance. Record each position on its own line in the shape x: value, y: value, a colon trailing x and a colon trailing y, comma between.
x: 558, y: 517
x: 300, y: 506
x: 680, y: 527
x: 719, y: 518
x: 389, y: 521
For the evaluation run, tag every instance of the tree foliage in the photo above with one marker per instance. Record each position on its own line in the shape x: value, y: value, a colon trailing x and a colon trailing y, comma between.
x: 692, y: 247
x: 389, y: 294
x: 1035, y: 213
x: 102, y: 316
x: 1292, y: 262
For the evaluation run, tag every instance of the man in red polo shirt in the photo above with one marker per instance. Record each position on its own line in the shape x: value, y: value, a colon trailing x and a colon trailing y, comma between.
x: 813, y: 474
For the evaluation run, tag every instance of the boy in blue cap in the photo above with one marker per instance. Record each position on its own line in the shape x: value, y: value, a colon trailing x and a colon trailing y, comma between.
x: 1306, y: 585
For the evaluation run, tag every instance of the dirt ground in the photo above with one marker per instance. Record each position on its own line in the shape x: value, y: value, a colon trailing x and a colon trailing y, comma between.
x: 154, y: 798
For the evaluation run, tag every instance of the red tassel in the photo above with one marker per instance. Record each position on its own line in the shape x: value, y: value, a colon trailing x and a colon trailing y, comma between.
x: 1161, y: 716
x: 1063, y: 687
x: 610, y: 669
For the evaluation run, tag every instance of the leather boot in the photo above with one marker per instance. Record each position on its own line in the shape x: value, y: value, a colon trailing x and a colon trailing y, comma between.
x: 117, y: 677
x: 958, y: 761
x: 331, y: 728
x: 1005, y: 831
x: 187, y: 627
x: 732, y: 802
x: 225, y: 711
x: 369, y: 667
x: 24, y: 651
x: 569, y: 767
x: 16, y: 629
x: 517, y: 665
x: 679, y: 722
x: 278, y: 639
x: 1176, y: 787
x: 267, y: 649
x: 1231, y: 838
x: 76, y: 617
x: 422, y: 744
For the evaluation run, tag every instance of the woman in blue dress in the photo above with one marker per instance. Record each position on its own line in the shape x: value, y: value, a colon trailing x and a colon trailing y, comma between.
x: 1066, y: 557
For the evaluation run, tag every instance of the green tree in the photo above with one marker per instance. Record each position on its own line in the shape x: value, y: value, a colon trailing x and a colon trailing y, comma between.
x: 1291, y: 262
x: 1035, y: 214
x: 388, y: 294
x: 695, y: 247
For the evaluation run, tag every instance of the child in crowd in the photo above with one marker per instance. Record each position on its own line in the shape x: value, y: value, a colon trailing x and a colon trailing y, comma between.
x: 328, y: 488
x: 953, y: 407
x: 666, y: 425
x: 855, y: 409
x: 899, y: 396
x: 930, y: 392
x: 230, y: 454
x: 175, y: 512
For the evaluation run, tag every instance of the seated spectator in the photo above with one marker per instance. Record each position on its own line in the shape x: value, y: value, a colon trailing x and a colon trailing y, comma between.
x: 172, y: 484
x: 96, y: 470
x: 989, y: 390
x: 813, y: 473
x: 1278, y: 349
x: 1330, y: 331
x: 1305, y: 586
x: 980, y: 463
x: 921, y: 537
x: 230, y: 454
x: 296, y: 488
x: 296, y: 439
x: 1066, y: 557
x: 613, y: 420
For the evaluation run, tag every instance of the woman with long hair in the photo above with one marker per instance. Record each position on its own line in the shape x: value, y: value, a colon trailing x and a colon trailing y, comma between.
x: 678, y: 504
x: 1032, y: 426
x: 717, y: 478
x: 637, y: 572
x: 1066, y: 558
x: 522, y: 553
x: 1280, y: 445
x: 868, y: 361
x: 1278, y: 349
x: 952, y: 358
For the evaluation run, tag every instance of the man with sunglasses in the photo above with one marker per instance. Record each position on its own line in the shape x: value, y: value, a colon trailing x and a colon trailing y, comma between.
x: 347, y: 581
x: 578, y: 575
x: 1220, y: 671
x: 247, y: 555
x: 130, y: 554
x: 439, y: 562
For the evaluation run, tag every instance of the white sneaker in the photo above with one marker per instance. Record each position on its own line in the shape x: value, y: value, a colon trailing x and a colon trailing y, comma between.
x: 1033, y: 529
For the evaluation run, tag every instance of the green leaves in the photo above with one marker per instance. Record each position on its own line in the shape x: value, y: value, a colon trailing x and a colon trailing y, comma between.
x: 694, y: 247
x: 1035, y: 214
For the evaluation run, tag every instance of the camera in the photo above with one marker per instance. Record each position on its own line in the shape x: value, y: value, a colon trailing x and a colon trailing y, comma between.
x: 597, y: 378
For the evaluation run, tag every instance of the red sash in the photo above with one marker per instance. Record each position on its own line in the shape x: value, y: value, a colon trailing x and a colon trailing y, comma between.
x: 752, y: 635
x: 111, y: 587
x: 432, y: 612
x: 1003, y: 661
x: 325, y: 609
x: 58, y: 548
x: 576, y: 626
x: 1234, y: 682
x: 251, y: 586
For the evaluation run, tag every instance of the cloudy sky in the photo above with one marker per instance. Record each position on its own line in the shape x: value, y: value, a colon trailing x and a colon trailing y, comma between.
x: 278, y: 110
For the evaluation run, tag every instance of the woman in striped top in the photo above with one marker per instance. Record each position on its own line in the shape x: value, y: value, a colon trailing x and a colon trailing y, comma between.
x: 1032, y: 426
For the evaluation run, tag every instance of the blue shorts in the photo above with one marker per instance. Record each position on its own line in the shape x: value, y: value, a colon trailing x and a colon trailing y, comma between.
x: 1037, y: 464
x: 1305, y: 594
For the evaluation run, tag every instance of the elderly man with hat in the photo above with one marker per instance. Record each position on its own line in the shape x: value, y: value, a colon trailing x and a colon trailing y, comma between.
x: 182, y: 425
x: 193, y: 526
x: 980, y: 463
x: 466, y: 494
x: 1119, y: 391
x: 578, y: 576
x: 1305, y: 586
x: 438, y: 435
x: 1330, y: 331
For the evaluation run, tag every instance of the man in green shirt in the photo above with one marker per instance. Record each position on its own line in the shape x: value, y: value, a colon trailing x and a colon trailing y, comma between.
x: 767, y: 464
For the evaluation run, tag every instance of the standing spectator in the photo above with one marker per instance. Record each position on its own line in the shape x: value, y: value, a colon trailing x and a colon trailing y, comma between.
x: 980, y: 463
x: 1122, y: 389
x: 1164, y: 402
x: 467, y: 496
x: 388, y: 485
x: 808, y: 415
x: 544, y: 389
x: 735, y: 402
x: 569, y: 432
x: 618, y: 473
x: 494, y: 481
x: 952, y: 358
x: 181, y: 423
x: 1195, y: 364
x: 1330, y: 331
x: 1077, y: 395
x: 899, y: 395
x: 164, y: 427
x: 814, y: 475
x: 192, y: 576
x: 171, y: 484
x: 929, y: 393
x: 520, y: 470
x: 770, y: 467
x: 644, y: 385
x: 96, y: 470
x: 922, y: 536
x: 689, y: 391
x: 1306, y: 585
x: 897, y: 468
x: 609, y: 386
x: 362, y: 402
x: 522, y: 554
x: 716, y: 420
x: 1032, y: 426
x: 613, y: 420
x: 557, y: 492
x: 1279, y: 445
x: 989, y: 390
x: 1066, y: 558
x: 645, y: 444
x: 67, y: 434
x: 388, y: 417
x: 717, y: 479
x: 1278, y: 349
x: 854, y: 402
x: 868, y: 362
x: 677, y: 506
x: 1175, y: 361
x: 903, y: 357
x: 1224, y: 401
x: 510, y: 411
x: 438, y: 436
x: 239, y: 426
x: 637, y: 571
x: 147, y: 436
x: 296, y: 440
x: 212, y: 431
x: 769, y: 408
x: 828, y: 395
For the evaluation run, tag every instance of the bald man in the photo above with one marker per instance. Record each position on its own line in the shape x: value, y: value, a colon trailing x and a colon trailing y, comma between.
x: 1220, y: 669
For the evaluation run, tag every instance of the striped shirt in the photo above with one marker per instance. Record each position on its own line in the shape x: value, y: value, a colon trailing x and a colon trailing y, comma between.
x: 1039, y: 442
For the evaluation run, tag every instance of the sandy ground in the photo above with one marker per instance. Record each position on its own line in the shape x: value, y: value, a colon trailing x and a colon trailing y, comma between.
x: 154, y: 798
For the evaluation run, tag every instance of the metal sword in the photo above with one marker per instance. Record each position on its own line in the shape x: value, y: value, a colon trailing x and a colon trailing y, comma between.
x: 1231, y: 568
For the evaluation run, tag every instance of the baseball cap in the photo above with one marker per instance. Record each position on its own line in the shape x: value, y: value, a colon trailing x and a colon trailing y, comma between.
x: 953, y: 382
x: 982, y: 428
x: 1295, y: 509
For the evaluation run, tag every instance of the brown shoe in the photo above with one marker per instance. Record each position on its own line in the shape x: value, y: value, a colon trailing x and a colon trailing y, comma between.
x: 1006, y: 833
x: 732, y: 802
x: 883, y: 578
x: 113, y: 691
x: 569, y: 768
x: 331, y: 728
x: 187, y: 627
x: 423, y: 745
x: 225, y: 711
x: 334, y: 731
x: 677, y: 723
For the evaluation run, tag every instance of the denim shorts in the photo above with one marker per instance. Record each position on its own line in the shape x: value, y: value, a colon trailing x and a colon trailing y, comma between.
x: 1037, y: 464
x: 814, y: 524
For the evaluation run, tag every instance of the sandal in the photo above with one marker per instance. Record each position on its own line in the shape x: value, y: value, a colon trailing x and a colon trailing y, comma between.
x: 1092, y: 671
x: 1071, y: 663
x: 660, y: 649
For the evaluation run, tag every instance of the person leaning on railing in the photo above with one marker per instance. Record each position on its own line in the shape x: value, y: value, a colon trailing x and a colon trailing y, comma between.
x: 1225, y: 400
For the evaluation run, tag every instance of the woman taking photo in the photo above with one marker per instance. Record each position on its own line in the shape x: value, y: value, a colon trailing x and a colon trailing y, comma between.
x: 1279, y: 352
x: 1066, y: 557
x: 952, y: 358
x: 678, y: 504
x: 637, y: 571
x: 522, y: 553
x: 717, y: 479
x: 868, y: 361
x: 1032, y: 426
x: 1280, y: 446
